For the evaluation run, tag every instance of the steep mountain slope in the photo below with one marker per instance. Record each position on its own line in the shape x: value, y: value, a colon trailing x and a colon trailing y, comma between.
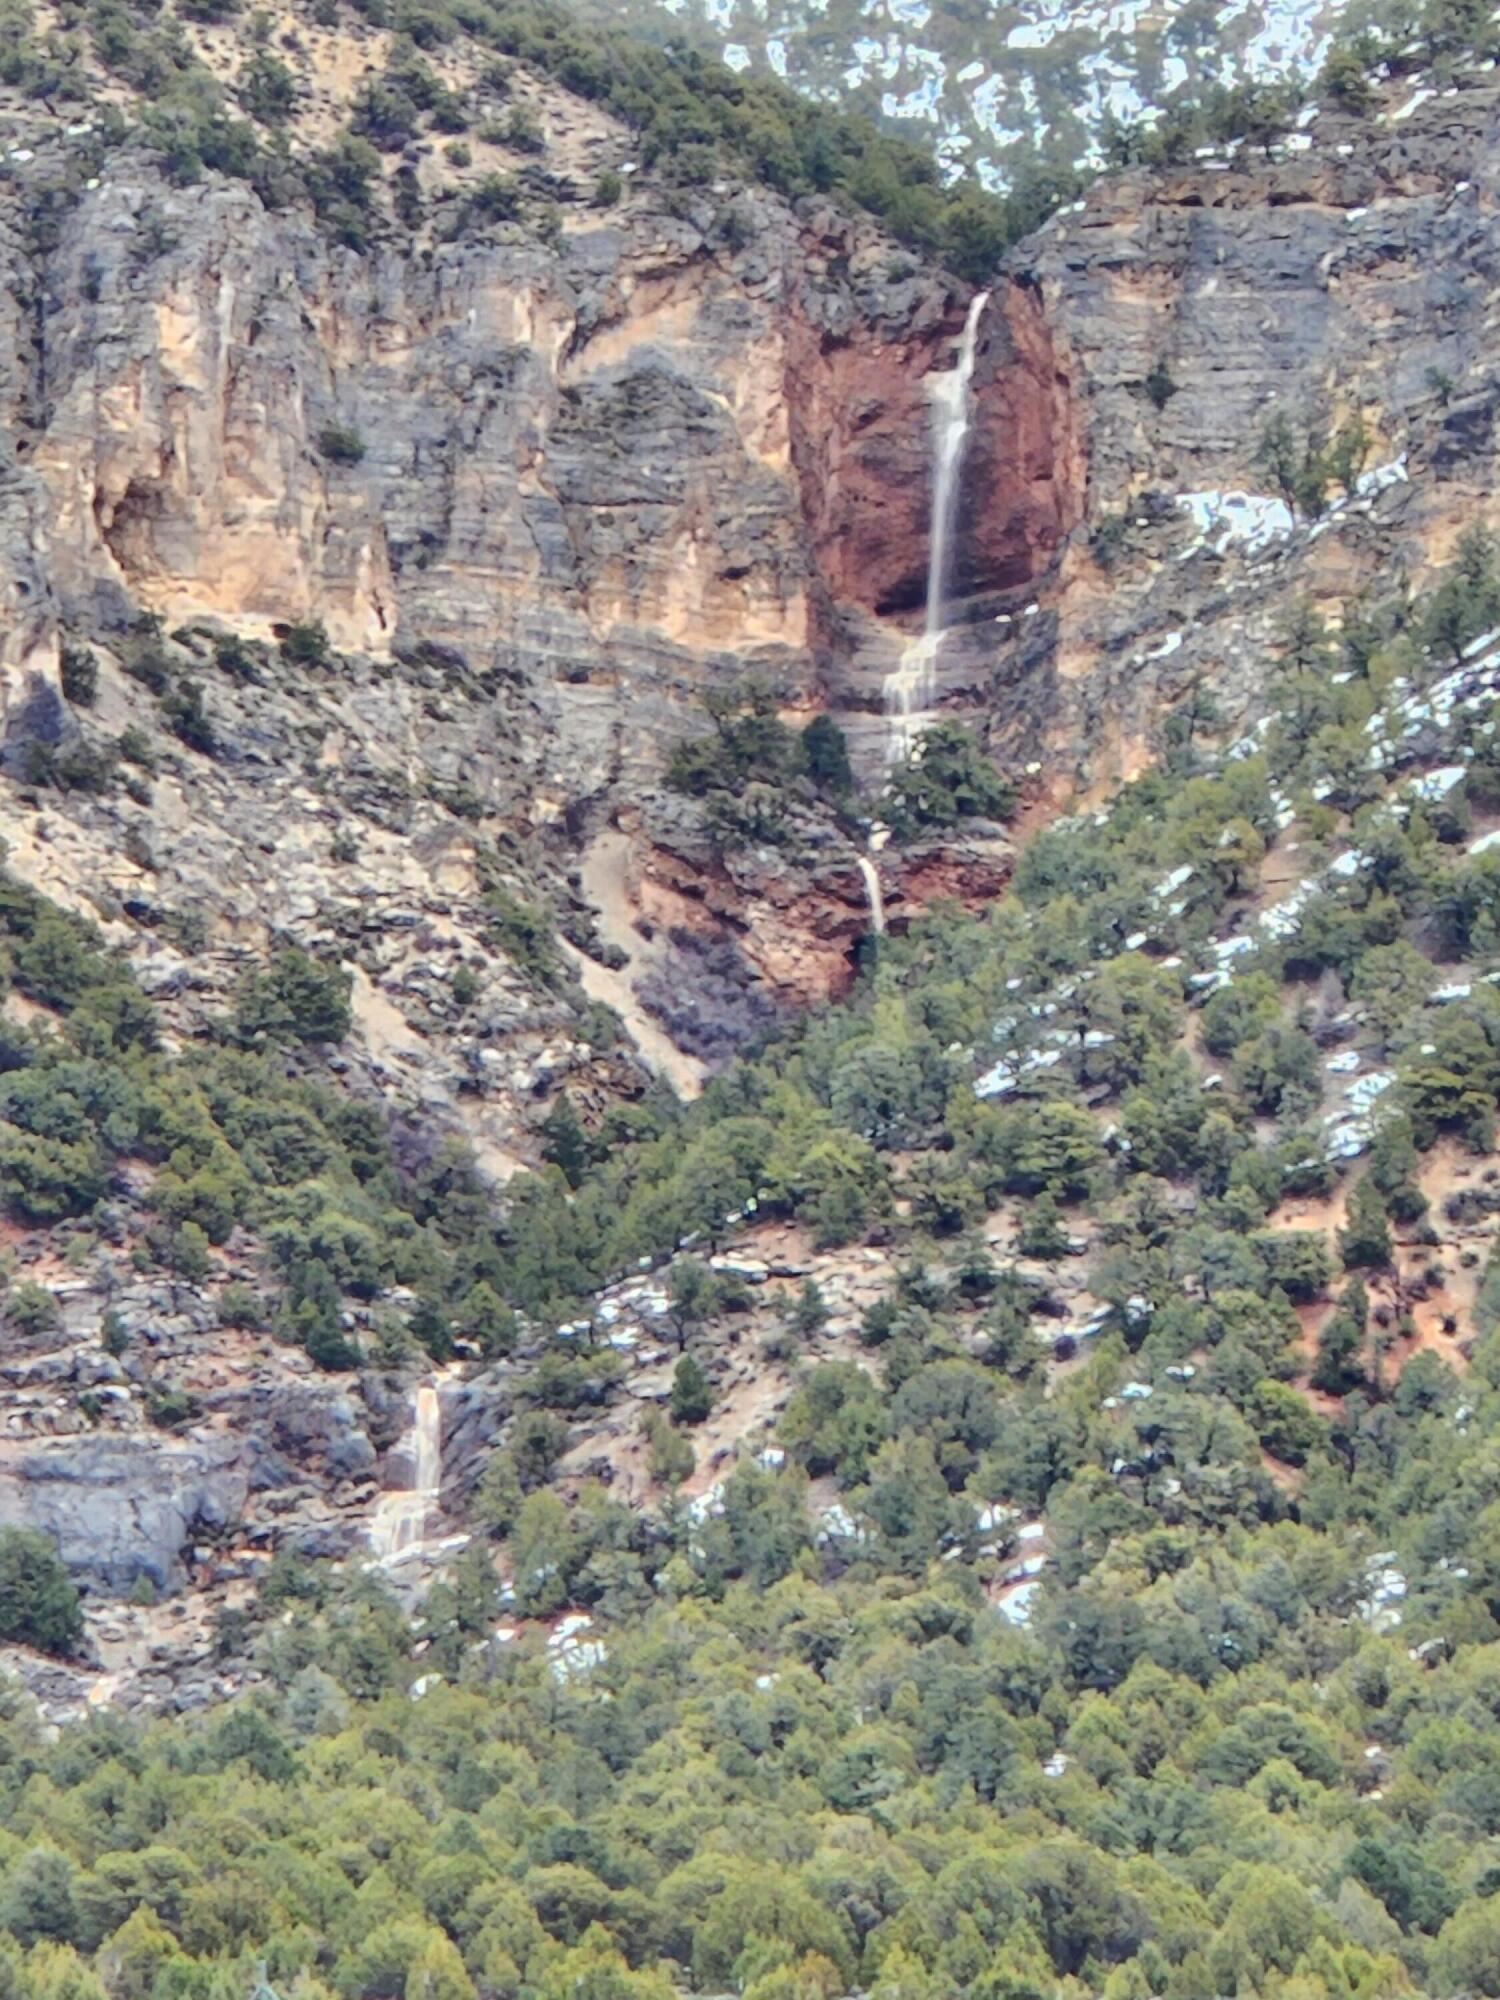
x: 995, y: 1495
x: 509, y: 503
x: 995, y: 88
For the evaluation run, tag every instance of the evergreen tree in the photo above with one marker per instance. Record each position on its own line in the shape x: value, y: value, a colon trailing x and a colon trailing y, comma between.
x: 1365, y: 1240
x: 39, y: 1604
x: 692, y: 1394
x: 1341, y: 1343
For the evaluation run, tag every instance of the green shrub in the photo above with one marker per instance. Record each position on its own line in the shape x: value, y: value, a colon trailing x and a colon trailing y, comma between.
x: 692, y: 1398
x: 946, y: 779
x: 522, y: 932
x: 338, y: 444
x: 30, y: 1308
x: 295, y: 999
x: 1159, y: 386
x: 183, y: 711
x: 523, y: 130
x: 305, y: 645
x: 135, y: 747
x: 239, y: 1307
x: 80, y: 675
x: 496, y: 199
x: 267, y: 89
x: 38, y: 1603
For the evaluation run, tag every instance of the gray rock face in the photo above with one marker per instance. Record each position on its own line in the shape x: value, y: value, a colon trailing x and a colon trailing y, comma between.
x: 123, y: 1507
x: 320, y: 1422
x: 1352, y: 272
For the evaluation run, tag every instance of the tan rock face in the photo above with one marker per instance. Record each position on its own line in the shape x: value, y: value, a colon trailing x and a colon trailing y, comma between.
x: 629, y: 464
x: 589, y: 466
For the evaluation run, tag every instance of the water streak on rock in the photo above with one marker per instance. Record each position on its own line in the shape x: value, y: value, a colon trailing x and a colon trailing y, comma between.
x: 910, y: 690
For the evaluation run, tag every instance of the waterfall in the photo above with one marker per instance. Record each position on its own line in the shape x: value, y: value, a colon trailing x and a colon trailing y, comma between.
x: 950, y: 404
x: 399, y: 1523
x: 873, y: 894
x: 911, y: 689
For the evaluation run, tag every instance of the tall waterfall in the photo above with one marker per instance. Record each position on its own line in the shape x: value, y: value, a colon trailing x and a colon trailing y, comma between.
x: 911, y: 689
x: 399, y: 1523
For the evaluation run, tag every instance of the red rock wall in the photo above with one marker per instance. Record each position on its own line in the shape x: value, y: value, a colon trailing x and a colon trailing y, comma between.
x: 861, y: 447
x: 861, y: 440
x: 1025, y: 471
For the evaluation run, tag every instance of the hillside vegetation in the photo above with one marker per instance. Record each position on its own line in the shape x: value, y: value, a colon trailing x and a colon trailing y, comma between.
x: 1116, y: 1612
x: 210, y: 89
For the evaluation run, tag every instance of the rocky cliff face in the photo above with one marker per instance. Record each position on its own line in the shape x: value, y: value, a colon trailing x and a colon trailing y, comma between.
x: 604, y: 471
x: 1350, y: 274
x: 596, y: 479
x: 687, y: 441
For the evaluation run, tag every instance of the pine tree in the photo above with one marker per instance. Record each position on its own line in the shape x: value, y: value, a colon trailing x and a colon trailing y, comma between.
x: 1365, y: 1240
x: 692, y: 1396
x: 806, y: 1313
x: 1042, y: 1233
x: 1337, y: 1369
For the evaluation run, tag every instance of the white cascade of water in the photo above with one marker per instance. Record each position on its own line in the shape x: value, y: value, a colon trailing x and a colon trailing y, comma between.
x: 398, y: 1526
x: 910, y: 690
x: 873, y: 894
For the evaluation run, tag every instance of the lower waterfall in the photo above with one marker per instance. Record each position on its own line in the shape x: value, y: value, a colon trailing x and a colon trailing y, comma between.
x: 873, y: 895
x: 399, y: 1523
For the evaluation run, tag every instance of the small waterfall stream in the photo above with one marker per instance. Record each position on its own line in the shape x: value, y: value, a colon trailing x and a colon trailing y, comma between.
x: 910, y: 690
x: 399, y: 1523
x: 873, y: 894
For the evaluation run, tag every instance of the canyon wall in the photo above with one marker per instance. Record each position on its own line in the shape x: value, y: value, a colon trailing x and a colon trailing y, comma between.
x: 687, y: 441
x: 608, y: 472
x: 1346, y: 272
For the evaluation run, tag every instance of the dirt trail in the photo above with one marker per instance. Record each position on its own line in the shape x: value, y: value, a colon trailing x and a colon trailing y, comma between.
x: 604, y: 879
